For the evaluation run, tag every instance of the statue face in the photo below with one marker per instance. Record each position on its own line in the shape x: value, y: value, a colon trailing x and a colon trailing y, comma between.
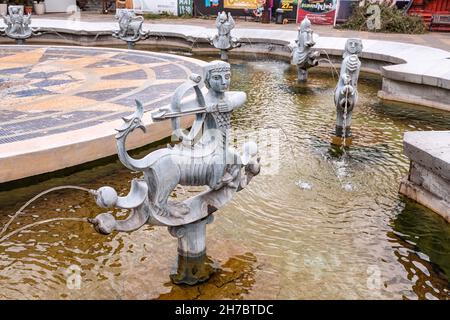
x: 220, y: 81
x: 353, y: 46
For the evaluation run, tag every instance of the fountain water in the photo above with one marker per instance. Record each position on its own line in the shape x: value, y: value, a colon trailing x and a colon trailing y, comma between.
x: 346, y: 92
x: 22, y: 208
x: 223, y: 39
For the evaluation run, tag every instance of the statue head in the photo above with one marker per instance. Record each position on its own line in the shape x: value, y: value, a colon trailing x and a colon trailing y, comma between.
x: 353, y: 46
x: 15, y: 10
x: 305, y: 26
x: 217, y: 75
x: 223, y: 17
x: 123, y: 13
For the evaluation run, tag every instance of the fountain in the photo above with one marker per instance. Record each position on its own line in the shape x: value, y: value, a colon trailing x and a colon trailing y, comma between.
x: 302, y: 54
x: 346, y: 91
x: 130, y: 27
x: 223, y: 39
x: 18, y: 25
x: 202, y: 158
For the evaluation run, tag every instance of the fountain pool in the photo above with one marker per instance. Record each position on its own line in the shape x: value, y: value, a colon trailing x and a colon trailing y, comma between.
x: 328, y: 223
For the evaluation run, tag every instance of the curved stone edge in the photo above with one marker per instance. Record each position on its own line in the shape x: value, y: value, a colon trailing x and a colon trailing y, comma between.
x: 425, y: 198
x: 428, y: 180
x: 403, y: 67
x: 54, y: 152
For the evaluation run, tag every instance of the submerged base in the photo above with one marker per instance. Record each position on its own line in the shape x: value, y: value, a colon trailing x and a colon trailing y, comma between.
x: 302, y: 75
x: 340, y: 132
x: 340, y: 141
x: 193, y: 270
x: 224, y: 55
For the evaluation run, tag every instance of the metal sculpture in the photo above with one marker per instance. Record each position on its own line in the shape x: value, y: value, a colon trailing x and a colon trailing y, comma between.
x: 130, y: 27
x: 223, y: 39
x: 202, y: 158
x: 303, y: 54
x: 346, y: 92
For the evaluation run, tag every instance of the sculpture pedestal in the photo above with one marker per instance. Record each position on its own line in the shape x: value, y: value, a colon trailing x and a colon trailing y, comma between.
x: 302, y: 75
x: 224, y: 55
x: 340, y: 141
x: 20, y: 41
x: 193, y: 270
x: 340, y: 132
x: 193, y: 266
x: 130, y: 45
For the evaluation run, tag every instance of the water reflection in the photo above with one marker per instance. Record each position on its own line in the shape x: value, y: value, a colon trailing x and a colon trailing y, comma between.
x: 319, y: 222
x: 421, y: 243
x: 232, y: 280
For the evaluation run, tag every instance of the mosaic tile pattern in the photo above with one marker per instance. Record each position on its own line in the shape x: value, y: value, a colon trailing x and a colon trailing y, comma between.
x: 49, y: 90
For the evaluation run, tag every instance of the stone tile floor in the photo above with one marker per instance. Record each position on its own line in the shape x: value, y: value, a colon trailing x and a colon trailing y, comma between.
x: 57, y: 90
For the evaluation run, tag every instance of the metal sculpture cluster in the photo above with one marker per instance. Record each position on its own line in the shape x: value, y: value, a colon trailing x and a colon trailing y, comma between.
x: 346, y: 92
x: 223, y: 39
x: 18, y: 25
x: 202, y: 158
x: 303, y: 54
x: 130, y: 27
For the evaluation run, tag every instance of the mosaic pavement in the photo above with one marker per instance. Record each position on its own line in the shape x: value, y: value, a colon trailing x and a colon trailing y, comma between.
x: 49, y: 90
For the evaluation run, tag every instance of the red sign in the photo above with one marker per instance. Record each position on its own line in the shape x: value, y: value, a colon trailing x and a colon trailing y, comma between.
x: 318, y: 11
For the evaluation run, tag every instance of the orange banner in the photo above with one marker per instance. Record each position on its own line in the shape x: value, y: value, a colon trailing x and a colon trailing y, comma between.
x: 241, y: 4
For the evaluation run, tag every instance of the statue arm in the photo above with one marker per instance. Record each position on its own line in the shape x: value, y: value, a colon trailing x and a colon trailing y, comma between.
x: 235, y: 99
x: 231, y: 21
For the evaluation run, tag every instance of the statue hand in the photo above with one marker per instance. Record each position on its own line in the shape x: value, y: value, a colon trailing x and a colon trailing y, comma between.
x: 212, y: 108
x: 223, y: 107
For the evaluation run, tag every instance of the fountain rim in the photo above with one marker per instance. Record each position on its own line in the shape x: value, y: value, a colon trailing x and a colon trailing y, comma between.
x: 78, y: 146
x: 405, y: 68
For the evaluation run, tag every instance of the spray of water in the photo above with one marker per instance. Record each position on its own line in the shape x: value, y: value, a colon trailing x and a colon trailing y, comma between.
x: 344, y: 130
x: 331, y: 63
x: 20, y: 211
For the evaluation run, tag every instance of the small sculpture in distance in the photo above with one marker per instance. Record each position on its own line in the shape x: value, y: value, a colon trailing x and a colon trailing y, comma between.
x: 18, y: 25
x: 130, y: 27
x: 223, y: 39
x: 346, y: 92
x: 303, y: 54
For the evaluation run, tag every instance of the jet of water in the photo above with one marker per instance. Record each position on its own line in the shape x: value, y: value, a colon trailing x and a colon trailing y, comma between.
x: 6, y: 226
